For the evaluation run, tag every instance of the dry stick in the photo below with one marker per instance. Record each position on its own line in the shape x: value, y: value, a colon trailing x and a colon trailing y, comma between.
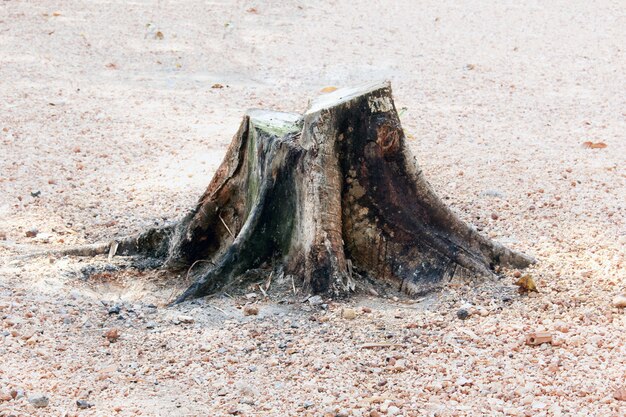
x: 377, y: 345
x: 226, y: 226
x: 194, y: 264
x: 269, y: 281
x: 175, y: 290
x: 112, y: 249
x: 219, y: 309
x: 172, y: 295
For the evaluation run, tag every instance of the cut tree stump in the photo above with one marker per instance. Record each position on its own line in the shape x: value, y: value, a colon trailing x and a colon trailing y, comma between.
x: 330, y: 197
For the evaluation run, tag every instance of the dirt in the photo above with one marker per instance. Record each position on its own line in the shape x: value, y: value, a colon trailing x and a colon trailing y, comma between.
x: 113, y: 119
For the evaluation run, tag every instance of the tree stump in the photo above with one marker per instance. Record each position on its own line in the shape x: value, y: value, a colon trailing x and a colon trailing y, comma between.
x: 330, y: 197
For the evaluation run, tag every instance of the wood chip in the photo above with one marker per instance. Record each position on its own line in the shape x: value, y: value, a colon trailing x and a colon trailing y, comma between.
x: 538, y: 338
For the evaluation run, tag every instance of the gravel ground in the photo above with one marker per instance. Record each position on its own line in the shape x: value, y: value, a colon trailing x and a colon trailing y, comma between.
x: 109, y: 124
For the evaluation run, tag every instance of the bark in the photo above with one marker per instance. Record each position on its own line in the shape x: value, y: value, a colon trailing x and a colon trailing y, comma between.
x: 329, y: 197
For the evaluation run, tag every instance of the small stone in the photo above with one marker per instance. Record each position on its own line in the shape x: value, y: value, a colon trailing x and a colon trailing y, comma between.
x: 83, y: 404
x: 186, y: 319
x: 348, y: 313
x: 32, y: 233
x: 462, y: 381
x: 114, y: 310
x: 250, y: 310
x: 619, y: 301
x: 538, y: 405
x: 112, y: 335
x: 247, y: 401
x: 620, y: 394
x: 39, y: 400
x: 316, y: 300
x: 392, y: 410
x: 463, y: 313
x: 17, y: 394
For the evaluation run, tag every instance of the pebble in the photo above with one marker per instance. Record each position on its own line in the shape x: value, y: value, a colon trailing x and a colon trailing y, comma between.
x: 250, y: 310
x: 114, y: 310
x: 348, y: 313
x: 39, y: 400
x: 620, y: 394
x: 17, y: 394
x: 316, y: 300
x: 112, y: 335
x: 619, y: 301
x: 392, y: 410
x: 463, y: 313
x: 83, y: 404
x: 462, y: 381
x: 185, y: 319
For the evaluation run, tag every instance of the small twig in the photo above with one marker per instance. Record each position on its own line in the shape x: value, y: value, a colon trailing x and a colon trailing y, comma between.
x: 194, y: 264
x: 226, y: 226
x: 219, y: 309
x: 269, y: 281
x: 383, y: 344
x: 113, y: 249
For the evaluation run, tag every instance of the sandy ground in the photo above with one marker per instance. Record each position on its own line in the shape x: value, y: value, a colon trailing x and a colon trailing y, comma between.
x: 109, y: 124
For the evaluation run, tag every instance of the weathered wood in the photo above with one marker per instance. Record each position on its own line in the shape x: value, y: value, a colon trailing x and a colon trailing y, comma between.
x: 328, y: 197
x: 321, y: 193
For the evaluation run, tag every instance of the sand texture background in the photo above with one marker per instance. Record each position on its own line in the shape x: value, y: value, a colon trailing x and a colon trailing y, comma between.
x: 109, y: 124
